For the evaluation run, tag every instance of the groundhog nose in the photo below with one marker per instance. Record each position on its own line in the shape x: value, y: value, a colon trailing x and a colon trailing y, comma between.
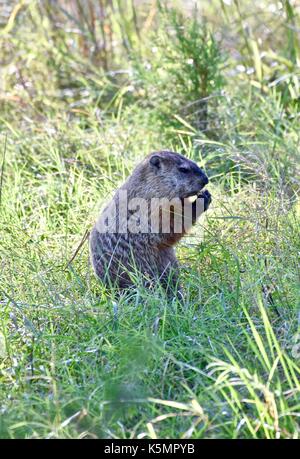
x: 204, y: 180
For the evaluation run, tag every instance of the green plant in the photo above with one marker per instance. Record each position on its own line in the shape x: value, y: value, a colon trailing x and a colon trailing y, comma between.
x: 183, y: 73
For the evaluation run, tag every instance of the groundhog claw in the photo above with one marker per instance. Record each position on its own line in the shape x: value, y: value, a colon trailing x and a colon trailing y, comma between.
x: 205, y: 194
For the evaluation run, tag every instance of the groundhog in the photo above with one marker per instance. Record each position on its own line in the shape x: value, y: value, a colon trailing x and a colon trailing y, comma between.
x: 135, y: 235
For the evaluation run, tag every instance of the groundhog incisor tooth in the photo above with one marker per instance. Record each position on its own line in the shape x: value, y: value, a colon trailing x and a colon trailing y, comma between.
x: 192, y: 199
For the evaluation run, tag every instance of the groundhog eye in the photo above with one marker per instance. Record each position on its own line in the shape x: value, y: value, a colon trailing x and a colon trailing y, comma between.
x: 183, y: 169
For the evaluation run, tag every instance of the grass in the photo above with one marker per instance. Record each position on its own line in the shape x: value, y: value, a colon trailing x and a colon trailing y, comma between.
x: 75, y: 116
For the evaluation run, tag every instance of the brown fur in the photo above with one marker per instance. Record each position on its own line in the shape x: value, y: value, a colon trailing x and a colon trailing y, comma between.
x: 116, y: 256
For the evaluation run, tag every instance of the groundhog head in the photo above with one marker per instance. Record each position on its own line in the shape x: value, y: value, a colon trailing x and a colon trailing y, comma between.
x: 174, y: 176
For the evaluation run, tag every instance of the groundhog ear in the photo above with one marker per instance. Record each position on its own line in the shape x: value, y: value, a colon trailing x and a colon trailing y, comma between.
x: 155, y: 161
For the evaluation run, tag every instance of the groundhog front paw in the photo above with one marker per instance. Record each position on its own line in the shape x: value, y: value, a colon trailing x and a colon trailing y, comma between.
x: 207, y: 198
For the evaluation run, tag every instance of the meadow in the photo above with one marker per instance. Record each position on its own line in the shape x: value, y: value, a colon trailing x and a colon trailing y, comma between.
x: 87, y: 89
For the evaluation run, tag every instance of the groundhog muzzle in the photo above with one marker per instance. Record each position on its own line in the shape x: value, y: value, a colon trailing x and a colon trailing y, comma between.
x: 134, y: 237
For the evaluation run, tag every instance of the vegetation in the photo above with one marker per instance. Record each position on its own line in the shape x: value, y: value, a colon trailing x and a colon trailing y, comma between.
x: 87, y: 89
